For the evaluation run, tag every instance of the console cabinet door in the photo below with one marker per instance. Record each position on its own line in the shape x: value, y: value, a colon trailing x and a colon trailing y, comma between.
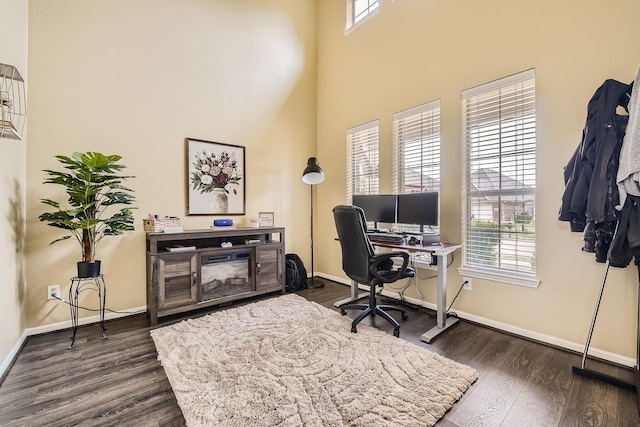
x: 270, y: 267
x: 177, y: 279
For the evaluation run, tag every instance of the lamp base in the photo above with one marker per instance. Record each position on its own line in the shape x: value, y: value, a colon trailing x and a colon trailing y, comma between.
x: 314, y: 283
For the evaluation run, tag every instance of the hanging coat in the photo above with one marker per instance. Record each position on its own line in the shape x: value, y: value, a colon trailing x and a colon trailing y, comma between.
x: 626, y: 243
x: 591, y: 194
x: 628, y: 177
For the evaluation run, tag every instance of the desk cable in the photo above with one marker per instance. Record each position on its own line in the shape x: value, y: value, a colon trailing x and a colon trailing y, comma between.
x: 433, y: 276
x: 454, y: 298
x: 399, y: 289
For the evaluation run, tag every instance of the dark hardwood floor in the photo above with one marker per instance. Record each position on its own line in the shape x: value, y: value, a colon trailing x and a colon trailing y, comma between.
x: 119, y: 382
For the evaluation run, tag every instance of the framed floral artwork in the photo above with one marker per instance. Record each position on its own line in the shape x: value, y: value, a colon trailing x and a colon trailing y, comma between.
x: 216, y: 178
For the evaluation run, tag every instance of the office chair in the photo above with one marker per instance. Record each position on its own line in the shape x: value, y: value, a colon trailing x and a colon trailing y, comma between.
x: 363, y: 265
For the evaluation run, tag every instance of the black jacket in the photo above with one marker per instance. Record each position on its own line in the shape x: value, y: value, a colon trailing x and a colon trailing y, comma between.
x: 591, y: 193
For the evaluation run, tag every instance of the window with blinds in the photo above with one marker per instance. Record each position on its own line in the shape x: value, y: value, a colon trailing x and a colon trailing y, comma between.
x: 416, y: 149
x: 363, y: 158
x: 499, y: 179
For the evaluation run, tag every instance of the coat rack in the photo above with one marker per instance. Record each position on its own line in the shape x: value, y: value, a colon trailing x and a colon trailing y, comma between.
x: 591, y: 168
x: 582, y: 370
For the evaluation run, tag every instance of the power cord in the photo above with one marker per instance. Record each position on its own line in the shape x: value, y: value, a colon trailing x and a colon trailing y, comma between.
x: 96, y: 309
x: 454, y: 298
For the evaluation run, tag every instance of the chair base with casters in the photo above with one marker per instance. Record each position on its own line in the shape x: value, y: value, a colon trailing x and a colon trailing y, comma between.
x: 372, y: 309
x: 362, y: 264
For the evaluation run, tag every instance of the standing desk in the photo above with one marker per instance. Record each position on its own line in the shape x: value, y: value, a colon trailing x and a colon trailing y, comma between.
x: 440, y: 251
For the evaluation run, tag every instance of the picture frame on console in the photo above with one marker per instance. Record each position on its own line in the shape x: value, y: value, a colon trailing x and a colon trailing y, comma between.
x: 266, y: 219
x: 215, y: 178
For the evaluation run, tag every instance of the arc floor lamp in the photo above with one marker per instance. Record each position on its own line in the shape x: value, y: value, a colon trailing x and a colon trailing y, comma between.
x: 312, y: 175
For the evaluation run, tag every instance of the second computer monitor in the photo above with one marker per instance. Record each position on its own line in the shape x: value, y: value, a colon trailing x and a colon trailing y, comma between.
x: 418, y: 208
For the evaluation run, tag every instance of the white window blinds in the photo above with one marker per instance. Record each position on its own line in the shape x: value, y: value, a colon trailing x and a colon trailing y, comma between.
x: 363, y: 158
x: 416, y: 152
x: 416, y: 148
x: 499, y: 177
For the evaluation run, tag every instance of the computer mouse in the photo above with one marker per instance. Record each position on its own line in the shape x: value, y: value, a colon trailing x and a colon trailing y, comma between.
x: 413, y: 241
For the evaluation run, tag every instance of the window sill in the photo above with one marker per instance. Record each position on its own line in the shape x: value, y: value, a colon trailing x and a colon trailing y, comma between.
x: 479, y: 273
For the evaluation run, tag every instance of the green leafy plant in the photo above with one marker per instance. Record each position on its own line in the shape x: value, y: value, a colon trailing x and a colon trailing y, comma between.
x: 94, y: 188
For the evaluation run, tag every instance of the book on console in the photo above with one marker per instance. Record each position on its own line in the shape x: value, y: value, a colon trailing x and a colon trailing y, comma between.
x: 180, y: 248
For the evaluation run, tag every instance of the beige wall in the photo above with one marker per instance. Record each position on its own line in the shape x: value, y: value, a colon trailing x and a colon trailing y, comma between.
x: 416, y: 51
x: 135, y: 78
x: 13, y: 51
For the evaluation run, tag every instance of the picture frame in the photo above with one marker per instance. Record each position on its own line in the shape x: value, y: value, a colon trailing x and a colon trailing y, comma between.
x: 266, y: 219
x: 216, y: 179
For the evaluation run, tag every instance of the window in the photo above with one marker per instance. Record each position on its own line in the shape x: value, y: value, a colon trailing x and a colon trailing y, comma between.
x: 416, y: 148
x: 362, y: 8
x: 363, y: 157
x: 499, y: 180
x: 358, y: 11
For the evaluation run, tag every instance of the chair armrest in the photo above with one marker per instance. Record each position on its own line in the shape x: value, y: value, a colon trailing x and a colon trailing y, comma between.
x: 376, y: 260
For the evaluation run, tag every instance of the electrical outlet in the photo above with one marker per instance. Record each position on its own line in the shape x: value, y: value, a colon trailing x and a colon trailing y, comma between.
x: 467, y: 285
x: 53, y: 292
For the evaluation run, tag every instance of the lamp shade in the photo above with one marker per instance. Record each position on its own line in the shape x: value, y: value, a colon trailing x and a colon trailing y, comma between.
x: 313, y: 173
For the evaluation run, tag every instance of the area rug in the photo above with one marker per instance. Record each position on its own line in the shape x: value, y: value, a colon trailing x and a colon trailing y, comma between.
x: 287, y: 361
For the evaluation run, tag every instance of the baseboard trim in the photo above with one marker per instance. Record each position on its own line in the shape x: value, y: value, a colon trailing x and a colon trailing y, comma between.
x: 11, y: 357
x: 54, y: 327
x: 514, y: 330
x: 60, y: 326
x: 532, y: 335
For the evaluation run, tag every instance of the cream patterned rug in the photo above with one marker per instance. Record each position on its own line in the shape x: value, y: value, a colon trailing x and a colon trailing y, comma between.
x: 287, y: 361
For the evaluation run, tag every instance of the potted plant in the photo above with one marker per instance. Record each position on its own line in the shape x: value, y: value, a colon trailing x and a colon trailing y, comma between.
x: 94, y: 186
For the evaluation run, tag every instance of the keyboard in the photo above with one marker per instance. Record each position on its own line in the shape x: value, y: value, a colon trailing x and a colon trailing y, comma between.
x: 386, y: 237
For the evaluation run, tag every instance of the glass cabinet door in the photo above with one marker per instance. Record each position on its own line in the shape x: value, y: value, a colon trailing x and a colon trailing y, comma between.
x: 177, y: 279
x: 270, y: 267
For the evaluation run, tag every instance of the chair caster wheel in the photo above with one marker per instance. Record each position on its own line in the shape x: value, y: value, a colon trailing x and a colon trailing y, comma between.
x: 343, y: 312
x: 404, y: 316
x: 396, y: 333
x: 354, y: 329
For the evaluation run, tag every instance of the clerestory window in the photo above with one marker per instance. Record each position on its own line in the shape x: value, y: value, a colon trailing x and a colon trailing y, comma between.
x: 358, y: 11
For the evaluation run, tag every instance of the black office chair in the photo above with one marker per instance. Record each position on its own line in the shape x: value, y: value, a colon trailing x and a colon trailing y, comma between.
x: 363, y: 265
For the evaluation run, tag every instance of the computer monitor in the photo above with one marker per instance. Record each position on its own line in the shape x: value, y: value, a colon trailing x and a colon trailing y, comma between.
x: 418, y: 208
x: 377, y: 207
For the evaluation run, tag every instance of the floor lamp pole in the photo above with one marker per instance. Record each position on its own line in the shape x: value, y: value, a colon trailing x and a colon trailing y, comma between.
x: 313, y: 283
x: 312, y: 175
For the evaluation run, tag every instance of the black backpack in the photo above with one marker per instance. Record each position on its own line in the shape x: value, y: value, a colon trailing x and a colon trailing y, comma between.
x: 296, y: 273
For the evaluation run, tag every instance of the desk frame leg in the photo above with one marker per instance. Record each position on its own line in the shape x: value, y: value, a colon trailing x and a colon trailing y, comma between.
x: 442, y: 322
x: 355, y: 295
